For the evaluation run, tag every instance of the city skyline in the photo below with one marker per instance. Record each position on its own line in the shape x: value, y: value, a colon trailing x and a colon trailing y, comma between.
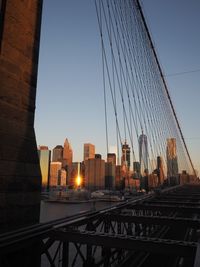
x: 73, y: 114
x: 125, y: 152
x: 96, y: 173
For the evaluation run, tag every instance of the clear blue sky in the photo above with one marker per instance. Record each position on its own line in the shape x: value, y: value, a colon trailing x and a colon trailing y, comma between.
x: 69, y: 93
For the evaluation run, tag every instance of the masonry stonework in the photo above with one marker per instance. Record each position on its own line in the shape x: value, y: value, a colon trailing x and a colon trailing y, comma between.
x: 20, y: 179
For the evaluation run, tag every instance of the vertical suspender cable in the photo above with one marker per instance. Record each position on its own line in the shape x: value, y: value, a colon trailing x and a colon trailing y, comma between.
x: 165, y: 85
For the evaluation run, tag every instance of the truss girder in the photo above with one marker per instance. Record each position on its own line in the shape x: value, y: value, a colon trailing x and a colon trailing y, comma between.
x: 154, y: 220
x: 152, y: 245
x: 167, y: 208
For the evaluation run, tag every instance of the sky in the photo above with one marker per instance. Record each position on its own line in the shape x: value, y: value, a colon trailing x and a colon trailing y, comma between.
x: 69, y: 101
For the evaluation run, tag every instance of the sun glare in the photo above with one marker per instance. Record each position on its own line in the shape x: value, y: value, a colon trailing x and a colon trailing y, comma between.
x: 78, y: 180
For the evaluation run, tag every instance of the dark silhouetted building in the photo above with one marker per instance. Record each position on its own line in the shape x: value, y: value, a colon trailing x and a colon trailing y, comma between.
x: 110, y: 169
x: 136, y: 170
x: 110, y: 175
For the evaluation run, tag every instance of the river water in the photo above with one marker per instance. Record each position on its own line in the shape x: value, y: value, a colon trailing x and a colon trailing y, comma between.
x: 54, y: 210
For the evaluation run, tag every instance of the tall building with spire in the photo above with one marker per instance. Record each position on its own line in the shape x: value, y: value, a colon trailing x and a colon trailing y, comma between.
x: 67, y: 154
x: 126, y: 153
x: 143, y: 154
x: 172, y: 161
x: 89, y: 151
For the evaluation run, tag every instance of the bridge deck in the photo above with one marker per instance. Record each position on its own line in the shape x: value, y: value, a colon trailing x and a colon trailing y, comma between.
x: 152, y: 230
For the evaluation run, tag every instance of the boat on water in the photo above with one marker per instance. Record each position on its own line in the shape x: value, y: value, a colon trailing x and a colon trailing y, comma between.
x: 106, y: 195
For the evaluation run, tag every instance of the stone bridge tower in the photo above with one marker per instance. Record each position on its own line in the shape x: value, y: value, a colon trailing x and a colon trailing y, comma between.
x: 20, y: 180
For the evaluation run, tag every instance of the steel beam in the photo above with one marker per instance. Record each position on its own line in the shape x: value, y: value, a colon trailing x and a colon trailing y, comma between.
x: 152, y: 245
x: 172, y: 202
x: 184, y: 194
x: 155, y: 220
x: 177, y: 197
x: 168, y: 208
x: 197, y: 257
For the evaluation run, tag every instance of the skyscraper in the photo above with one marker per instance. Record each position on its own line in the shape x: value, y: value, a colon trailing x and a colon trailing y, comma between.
x: 67, y: 154
x: 143, y: 154
x: 160, y: 170
x: 89, y: 151
x: 172, y: 162
x: 126, y: 160
x: 111, y: 157
x: 57, y: 153
x: 95, y: 174
x: 110, y: 169
x: 44, y: 157
x: 136, y: 169
x: 97, y: 156
x: 119, y: 179
x: 62, y: 177
x: 73, y: 174
x: 55, y: 172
